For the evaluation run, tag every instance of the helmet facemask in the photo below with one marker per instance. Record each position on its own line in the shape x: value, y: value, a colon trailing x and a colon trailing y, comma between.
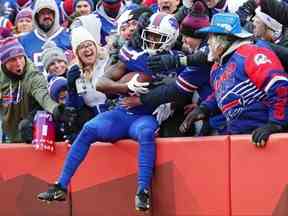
x: 161, y: 33
x: 155, y: 42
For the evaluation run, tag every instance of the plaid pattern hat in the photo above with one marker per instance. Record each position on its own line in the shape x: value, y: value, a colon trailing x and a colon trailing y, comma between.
x: 9, y: 48
x: 198, y: 18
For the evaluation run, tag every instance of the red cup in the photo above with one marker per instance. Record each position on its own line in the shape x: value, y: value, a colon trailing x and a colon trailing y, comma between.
x: 44, y: 132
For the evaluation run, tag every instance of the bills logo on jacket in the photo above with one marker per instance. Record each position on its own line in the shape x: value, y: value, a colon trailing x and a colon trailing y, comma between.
x: 261, y: 59
x: 249, y: 81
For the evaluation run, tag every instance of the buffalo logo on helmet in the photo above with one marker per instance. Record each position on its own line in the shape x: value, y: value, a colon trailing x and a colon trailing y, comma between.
x: 173, y: 23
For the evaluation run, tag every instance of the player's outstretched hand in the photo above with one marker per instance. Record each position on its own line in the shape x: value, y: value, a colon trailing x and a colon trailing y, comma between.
x: 163, y: 62
x: 163, y: 112
x: 138, y: 87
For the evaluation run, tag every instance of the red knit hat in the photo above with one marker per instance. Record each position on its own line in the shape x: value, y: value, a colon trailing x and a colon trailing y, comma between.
x: 198, y: 18
x: 22, y: 3
x: 68, y: 7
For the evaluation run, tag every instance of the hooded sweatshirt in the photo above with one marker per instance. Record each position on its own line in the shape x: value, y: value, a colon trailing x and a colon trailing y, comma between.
x: 17, y: 96
x: 33, y: 42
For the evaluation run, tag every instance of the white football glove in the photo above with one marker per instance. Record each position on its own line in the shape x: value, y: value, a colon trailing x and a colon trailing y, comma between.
x: 138, y: 87
x: 163, y: 112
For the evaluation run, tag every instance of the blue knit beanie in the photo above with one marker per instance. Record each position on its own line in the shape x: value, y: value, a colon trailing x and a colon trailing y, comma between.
x: 55, y: 86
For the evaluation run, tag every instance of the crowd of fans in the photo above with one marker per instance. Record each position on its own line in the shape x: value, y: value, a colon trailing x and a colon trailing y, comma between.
x: 113, y: 69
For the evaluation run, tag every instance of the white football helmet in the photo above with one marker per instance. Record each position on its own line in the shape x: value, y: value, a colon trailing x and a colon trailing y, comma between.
x: 161, y: 33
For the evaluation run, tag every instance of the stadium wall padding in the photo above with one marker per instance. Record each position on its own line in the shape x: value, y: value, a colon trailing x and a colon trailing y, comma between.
x: 208, y: 176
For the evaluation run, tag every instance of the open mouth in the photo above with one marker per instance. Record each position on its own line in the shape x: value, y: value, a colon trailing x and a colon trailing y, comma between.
x: 129, y: 36
x: 88, y: 54
x: 19, y: 71
x: 166, y: 8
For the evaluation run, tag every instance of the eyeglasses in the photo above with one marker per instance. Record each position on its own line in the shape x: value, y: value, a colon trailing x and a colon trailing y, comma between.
x: 85, y: 45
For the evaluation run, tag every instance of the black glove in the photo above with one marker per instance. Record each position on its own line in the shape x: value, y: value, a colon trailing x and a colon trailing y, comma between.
x: 198, y: 113
x: 135, y: 41
x: 261, y: 134
x: 246, y: 10
x: 25, y: 128
x: 143, y: 21
x: 73, y: 74
x: 58, y: 112
x: 159, y: 63
x: 74, y: 119
x: 70, y: 119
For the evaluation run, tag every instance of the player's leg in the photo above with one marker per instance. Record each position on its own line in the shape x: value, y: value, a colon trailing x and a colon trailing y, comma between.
x: 143, y: 130
x: 103, y: 127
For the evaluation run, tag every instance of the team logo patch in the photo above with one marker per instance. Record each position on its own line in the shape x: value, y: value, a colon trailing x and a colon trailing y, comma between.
x: 261, y: 59
x: 226, y: 27
x: 173, y: 22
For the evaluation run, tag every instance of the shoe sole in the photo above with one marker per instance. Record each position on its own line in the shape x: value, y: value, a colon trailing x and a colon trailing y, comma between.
x: 49, y: 201
x: 142, y: 210
x: 44, y: 201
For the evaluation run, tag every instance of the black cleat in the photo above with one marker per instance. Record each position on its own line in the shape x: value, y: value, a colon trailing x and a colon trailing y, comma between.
x: 142, y: 200
x: 54, y: 193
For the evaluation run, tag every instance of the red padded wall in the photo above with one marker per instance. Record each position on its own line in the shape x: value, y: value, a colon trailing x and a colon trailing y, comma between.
x: 259, y: 176
x: 25, y: 173
x: 213, y: 176
x: 191, y: 178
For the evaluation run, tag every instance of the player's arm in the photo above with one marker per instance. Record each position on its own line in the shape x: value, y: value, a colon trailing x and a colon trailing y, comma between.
x: 173, y: 61
x: 162, y: 94
x: 189, y: 80
x: 108, y: 82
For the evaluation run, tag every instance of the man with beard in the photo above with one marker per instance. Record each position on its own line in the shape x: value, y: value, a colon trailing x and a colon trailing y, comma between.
x: 47, y: 27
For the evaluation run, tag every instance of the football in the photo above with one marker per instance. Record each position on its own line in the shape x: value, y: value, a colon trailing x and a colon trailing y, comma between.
x: 142, y: 77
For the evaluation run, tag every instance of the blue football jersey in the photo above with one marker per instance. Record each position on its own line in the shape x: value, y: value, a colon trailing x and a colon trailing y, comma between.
x: 136, y: 61
x: 33, y: 44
